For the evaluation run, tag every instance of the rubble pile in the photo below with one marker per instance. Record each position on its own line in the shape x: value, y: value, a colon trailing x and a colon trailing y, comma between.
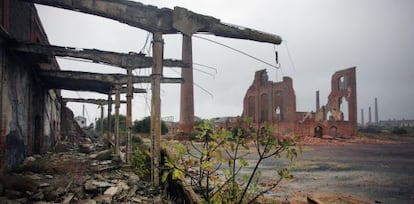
x: 83, y: 174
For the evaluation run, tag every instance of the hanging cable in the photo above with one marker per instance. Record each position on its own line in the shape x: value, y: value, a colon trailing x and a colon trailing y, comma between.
x: 278, y: 66
x: 290, y: 56
x: 145, y: 44
x: 234, y: 49
x: 205, y: 90
x: 204, y: 72
x: 202, y: 65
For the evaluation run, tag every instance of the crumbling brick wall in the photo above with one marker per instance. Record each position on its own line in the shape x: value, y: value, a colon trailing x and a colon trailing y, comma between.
x: 267, y: 101
x: 275, y: 102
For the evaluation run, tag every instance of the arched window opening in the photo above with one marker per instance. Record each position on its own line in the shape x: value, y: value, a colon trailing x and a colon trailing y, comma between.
x: 344, y: 109
x: 342, y: 83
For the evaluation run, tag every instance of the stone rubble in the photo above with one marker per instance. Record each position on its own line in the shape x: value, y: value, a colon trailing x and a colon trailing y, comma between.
x: 86, y: 174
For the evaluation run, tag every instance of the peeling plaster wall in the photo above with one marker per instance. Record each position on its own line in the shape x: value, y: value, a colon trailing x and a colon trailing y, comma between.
x: 30, y: 114
x: 15, y: 112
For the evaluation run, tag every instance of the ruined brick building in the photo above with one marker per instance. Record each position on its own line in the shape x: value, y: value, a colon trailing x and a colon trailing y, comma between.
x: 30, y: 112
x: 275, y: 102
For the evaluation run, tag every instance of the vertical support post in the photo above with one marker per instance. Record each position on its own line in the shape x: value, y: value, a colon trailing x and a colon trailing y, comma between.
x: 102, y: 119
x: 117, y: 105
x: 109, y: 118
x: 187, y: 88
x: 157, y: 47
x: 129, y: 115
x: 376, y: 111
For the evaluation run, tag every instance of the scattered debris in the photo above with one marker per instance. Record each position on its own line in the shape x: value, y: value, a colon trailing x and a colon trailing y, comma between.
x: 82, y: 174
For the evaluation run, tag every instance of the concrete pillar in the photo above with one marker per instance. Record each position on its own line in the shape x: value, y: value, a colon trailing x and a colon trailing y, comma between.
x: 117, y: 105
x: 102, y: 119
x: 317, y: 101
x: 129, y: 96
x: 157, y: 47
x: 369, y: 116
x: 187, y: 88
x: 362, y: 118
x: 109, y: 118
x: 376, y: 111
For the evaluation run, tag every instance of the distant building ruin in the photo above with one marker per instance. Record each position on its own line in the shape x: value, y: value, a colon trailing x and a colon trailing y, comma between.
x: 275, y: 102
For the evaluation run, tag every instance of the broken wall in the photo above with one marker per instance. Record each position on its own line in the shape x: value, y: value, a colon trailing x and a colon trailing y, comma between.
x: 30, y: 114
x: 274, y: 102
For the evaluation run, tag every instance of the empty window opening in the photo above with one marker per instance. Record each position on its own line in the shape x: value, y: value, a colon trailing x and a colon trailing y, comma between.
x: 318, y: 131
x: 278, y: 116
x: 333, y: 131
x: 344, y: 109
x: 329, y: 116
x: 342, y: 83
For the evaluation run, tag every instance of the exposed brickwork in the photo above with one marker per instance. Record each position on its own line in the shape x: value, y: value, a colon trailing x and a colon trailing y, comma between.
x: 275, y: 102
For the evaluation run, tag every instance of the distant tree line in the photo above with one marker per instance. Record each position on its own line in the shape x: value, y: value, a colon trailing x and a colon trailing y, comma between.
x: 139, y: 126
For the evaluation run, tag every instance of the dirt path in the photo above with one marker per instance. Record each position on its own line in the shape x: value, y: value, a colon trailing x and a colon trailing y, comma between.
x: 378, y: 173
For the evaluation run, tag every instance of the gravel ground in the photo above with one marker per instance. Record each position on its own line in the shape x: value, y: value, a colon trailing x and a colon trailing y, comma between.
x: 377, y: 173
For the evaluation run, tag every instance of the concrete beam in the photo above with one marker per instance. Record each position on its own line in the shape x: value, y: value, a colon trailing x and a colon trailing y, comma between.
x: 135, y: 14
x: 85, y: 81
x: 123, y: 60
x: 104, y: 78
x: 162, y: 20
x: 123, y: 90
x: 99, y: 102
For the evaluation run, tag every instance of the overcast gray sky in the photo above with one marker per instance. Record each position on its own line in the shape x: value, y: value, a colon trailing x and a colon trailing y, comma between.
x: 323, y: 36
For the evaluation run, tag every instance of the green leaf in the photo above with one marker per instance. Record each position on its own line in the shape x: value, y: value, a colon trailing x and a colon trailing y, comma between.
x: 165, y: 176
x: 176, y: 174
x: 243, y: 162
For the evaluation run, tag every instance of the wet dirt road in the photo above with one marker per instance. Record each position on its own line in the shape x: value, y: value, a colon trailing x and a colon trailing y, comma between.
x: 379, y: 173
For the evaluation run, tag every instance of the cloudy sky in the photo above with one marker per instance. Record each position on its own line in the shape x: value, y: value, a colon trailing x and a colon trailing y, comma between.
x: 322, y: 36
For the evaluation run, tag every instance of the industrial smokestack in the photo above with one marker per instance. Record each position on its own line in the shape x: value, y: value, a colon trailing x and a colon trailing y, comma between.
x: 376, y: 111
x: 317, y: 101
x: 362, y: 118
x: 369, y: 115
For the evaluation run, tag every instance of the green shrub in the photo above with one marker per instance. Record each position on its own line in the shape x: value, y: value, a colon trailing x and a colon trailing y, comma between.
x: 141, y: 161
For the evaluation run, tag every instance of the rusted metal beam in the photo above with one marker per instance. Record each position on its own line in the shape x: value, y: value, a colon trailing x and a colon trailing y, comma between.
x: 123, y: 60
x: 162, y: 20
x: 99, y: 102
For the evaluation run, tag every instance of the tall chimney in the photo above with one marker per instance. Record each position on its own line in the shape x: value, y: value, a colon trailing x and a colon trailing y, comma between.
x: 369, y: 115
x: 186, y: 124
x: 376, y: 111
x: 362, y: 118
x: 317, y: 101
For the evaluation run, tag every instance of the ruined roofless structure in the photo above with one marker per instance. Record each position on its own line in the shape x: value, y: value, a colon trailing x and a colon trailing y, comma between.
x: 275, y: 102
